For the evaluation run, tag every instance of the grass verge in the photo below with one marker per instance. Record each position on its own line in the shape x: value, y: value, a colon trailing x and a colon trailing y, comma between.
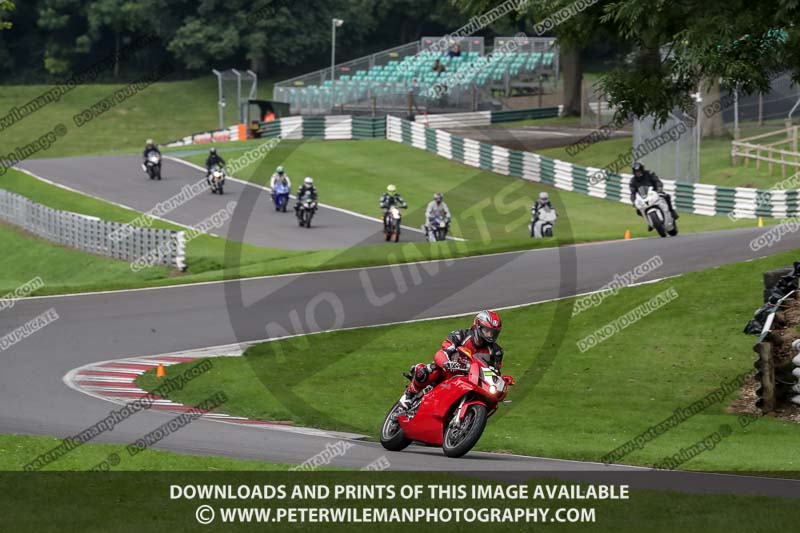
x: 583, y: 405
x: 164, y: 111
x: 17, y: 450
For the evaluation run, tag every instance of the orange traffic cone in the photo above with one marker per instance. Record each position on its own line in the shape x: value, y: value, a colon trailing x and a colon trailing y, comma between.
x: 160, y: 370
x: 627, y: 234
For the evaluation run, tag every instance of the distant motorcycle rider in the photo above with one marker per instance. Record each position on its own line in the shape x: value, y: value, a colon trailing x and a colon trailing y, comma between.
x: 642, y: 177
x: 480, y: 341
x: 391, y: 198
x: 278, y: 176
x: 437, y: 208
x: 149, y: 146
x: 543, y: 202
x: 213, y: 159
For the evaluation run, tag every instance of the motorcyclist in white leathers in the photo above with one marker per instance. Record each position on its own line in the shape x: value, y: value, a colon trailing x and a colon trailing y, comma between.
x: 436, y: 208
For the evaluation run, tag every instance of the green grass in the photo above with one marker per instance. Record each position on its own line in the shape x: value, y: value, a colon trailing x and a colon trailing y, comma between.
x: 18, y: 450
x: 164, y: 111
x: 353, y: 175
x: 716, y: 166
x: 584, y: 404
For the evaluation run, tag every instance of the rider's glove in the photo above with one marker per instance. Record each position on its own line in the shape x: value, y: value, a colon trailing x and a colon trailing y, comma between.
x: 509, y: 380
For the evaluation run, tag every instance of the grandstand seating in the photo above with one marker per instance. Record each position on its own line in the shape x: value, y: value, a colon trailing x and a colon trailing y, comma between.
x: 397, y: 77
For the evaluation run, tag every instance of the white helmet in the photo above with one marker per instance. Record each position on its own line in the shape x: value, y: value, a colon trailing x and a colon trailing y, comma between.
x: 148, y: 142
x: 544, y: 197
x: 309, y: 180
x: 279, y: 170
x: 391, y: 188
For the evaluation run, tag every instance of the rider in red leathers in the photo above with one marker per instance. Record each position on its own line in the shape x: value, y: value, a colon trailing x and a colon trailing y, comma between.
x: 478, y: 341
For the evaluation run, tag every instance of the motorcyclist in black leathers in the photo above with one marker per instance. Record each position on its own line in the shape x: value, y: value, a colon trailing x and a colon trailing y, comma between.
x: 213, y: 159
x: 306, y: 187
x: 642, y: 176
x: 391, y: 198
x: 150, y: 146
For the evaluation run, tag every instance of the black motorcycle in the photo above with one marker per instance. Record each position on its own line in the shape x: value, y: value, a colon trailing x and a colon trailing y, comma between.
x: 305, y: 210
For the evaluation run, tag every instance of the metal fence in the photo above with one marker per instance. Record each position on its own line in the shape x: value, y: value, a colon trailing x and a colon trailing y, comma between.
x: 777, y: 105
x: 595, y: 109
x: 92, y: 234
x: 671, y: 149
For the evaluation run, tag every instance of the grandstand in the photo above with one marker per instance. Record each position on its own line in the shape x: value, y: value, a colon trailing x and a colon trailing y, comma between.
x: 395, y: 79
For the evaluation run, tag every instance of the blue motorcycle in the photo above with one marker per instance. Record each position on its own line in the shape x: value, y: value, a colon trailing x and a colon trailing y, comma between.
x: 280, y: 197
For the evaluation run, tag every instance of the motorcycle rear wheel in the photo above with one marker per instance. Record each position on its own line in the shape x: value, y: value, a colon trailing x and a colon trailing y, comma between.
x: 392, y: 436
x: 457, y: 442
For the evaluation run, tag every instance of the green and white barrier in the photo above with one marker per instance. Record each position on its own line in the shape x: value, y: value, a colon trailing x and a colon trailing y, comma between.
x: 697, y: 198
x: 485, y: 118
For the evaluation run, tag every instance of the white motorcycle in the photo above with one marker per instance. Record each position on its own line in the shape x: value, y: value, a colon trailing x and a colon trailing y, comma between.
x: 152, y: 166
x: 437, y: 228
x: 546, y: 223
x: 216, y: 179
x: 655, y: 211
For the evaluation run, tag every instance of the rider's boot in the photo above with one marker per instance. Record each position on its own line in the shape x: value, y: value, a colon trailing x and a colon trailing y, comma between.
x: 407, y: 399
x: 420, y: 378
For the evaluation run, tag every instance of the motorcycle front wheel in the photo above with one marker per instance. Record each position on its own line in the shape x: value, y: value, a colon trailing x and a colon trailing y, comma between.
x: 460, y: 440
x: 392, y: 436
x: 657, y: 223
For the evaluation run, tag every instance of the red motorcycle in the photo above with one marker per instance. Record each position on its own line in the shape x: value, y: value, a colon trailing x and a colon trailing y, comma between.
x: 451, y: 414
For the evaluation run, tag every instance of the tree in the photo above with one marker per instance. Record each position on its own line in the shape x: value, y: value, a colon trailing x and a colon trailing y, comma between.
x: 6, y: 5
x: 683, y: 47
x: 62, y: 21
x: 120, y: 16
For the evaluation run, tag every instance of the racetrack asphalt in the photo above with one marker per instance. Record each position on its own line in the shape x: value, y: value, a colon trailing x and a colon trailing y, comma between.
x: 103, y: 326
x: 120, y: 179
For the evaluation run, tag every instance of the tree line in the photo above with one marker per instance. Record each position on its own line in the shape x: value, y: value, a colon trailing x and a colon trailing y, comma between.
x: 276, y: 38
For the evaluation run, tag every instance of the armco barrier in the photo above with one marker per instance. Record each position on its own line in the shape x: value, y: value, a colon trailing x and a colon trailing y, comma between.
x: 92, y: 234
x: 697, y: 198
x: 524, y: 114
